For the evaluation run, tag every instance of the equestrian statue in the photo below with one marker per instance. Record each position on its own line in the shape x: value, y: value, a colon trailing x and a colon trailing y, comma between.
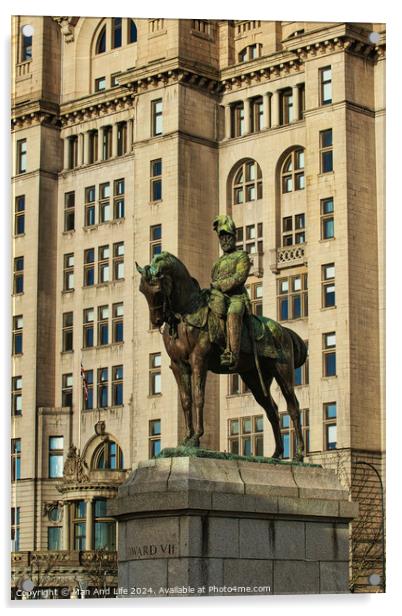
x: 214, y: 329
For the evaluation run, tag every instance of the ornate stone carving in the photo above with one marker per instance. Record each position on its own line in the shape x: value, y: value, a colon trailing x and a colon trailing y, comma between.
x: 67, y: 25
x: 75, y: 468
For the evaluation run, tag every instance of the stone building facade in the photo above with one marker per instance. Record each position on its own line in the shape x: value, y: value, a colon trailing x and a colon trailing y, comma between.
x: 130, y: 136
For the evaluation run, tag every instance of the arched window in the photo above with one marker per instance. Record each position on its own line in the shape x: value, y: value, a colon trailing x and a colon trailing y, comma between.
x: 292, y: 174
x: 251, y: 52
x: 247, y: 183
x: 132, y: 31
x: 108, y: 456
x: 101, y: 42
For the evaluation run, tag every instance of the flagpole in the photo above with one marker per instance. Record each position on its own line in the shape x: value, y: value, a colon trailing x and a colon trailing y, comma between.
x: 79, y: 408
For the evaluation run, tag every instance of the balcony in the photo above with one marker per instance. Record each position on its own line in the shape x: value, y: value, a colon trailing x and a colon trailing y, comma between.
x: 23, y: 70
x: 288, y: 256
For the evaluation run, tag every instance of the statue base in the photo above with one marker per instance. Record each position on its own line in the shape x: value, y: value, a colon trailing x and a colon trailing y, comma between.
x: 196, y: 526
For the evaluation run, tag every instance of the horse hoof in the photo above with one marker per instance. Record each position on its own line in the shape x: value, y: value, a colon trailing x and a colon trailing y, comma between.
x: 277, y: 455
x: 192, y: 441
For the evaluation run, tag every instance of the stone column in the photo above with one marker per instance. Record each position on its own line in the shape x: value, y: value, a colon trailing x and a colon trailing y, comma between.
x: 130, y: 135
x: 228, y: 121
x: 275, y: 109
x: 66, y: 152
x: 100, y: 143
x: 247, y: 116
x: 80, y: 150
x: 115, y: 127
x: 85, y: 158
x: 89, y: 525
x: 267, y: 109
x: 296, y: 103
x: 66, y: 526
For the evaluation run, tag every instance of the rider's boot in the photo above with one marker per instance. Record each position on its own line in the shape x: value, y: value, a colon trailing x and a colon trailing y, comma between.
x: 230, y: 357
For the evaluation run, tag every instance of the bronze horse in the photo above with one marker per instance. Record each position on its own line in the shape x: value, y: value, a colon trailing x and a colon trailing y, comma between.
x: 173, y: 296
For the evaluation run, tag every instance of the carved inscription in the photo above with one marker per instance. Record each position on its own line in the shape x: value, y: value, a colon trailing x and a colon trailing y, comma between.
x: 153, y: 550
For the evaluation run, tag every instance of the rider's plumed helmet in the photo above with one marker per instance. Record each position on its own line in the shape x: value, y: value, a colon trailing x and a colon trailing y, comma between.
x: 224, y: 224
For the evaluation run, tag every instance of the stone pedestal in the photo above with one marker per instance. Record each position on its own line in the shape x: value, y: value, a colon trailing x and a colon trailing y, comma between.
x: 197, y: 527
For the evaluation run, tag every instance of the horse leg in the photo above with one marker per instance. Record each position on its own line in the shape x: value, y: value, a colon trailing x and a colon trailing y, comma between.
x: 252, y: 381
x: 284, y: 376
x: 182, y: 373
x: 199, y: 370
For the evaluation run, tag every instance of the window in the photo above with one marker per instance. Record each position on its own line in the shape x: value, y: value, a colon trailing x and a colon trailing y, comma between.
x: 88, y: 390
x: 132, y: 31
x: 19, y: 220
x: 201, y: 25
x: 237, y: 119
x: 118, y: 199
x: 155, y: 382
x: 18, y: 275
x: 117, y: 385
x: 67, y: 337
x: 121, y: 138
x: 326, y: 158
x: 301, y: 374
x: 67, y: 390
x: 302, y: 100
x: 15, y: 528
x: 246, y: 436
x: 16, y: 395
x: 103, y: 325
x: 72, y: 155
x: 105, y: 213
x: 26, y: 44
x: 286, y: 108
x: 104, y: 527
x: 79, y: 525
x: 68, y: 272
x: 117, y: 322
x: 101, y: 42
x: 247, y: 183
x: 289, y: 436
x: 89, y: 267
x: 157, y: 120
x: 255, y: 293
x: 116, y: 32
x: 251, y: 52
x: 329, y: 354
x: 155, y: 241
x: 293, y: 230
x: 90, y: 206
x: 292, y: 297
x: 103, y: 386
x: 54, y: 538
x: 100, y: 84
x: 106, y: 142
x: 156, y: 180
x: 21, y: 156
x: 103, y: 264
x: 257, y: 114
x: 93, y: 146
x: 118, y: 261
x: 328, y: 285
x: 250, y: 239
x: 69, y: 211
x: 56, y: 449
x: 88, y: 328
x: 326, y: 85
x: 15, y: 459
x: 18, y: 324
x: 114, y: 79
x: 327, y: 219
x: 330, y: 425
x: 236, y: 386
x: 293, y: 171
x: 108, y: 456
x: 154, y: 438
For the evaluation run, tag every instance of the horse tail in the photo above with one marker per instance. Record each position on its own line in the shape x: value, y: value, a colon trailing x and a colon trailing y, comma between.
x: 299, y: 348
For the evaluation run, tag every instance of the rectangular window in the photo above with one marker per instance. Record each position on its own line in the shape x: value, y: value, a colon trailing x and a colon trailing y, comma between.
x: 15, y: 459
x: 106, y: 142
x: 100, y: 84
x: 105, y: 213
x: 67, y: 390
x: 103, y: 264
x: 103, y: 325
x: 18, y: 283
x: 288, y: 433
x: 54, y: 538
x: 68, y: 272
x: 246, y: 436
x: 19, y: 215
x: 250, y: 239
x: 157, y: 119
x: 116, y: 32
x: 21, y: 156
x: 88, y: 391
x: 18, y: 324
x: 329, y: 354
x: 287, y: 111
x: 118, y: 261
x: 26, y: 47
x: 255, y: 292
x: 90, y: 206
x: 118, y: 199
x: 121, y: 138
x: 88, y: 328
x: 89, y: 267
x: 155, y: 240
x: 16, y: 395
x: 117, y: 322
x: 154, y: 437
x: 67, y: 337
x: 15, y: 528
x: 114, y: 79
x: 328, y: 285
x: 79, y: 525
x: 292, y: 297
x: 301, y: 374
x: 237, y: 119
x: 156, y: 179
x: 327, y: 219
x: 69, y: 211
x: 326, y: 85
x: 103, y: 386
x: 155, y: 375
x: 117, y: 385
x: 330, y: 425
x: 326, y: 153
x: 257, y: 114
x: 93, y: 146
x: 294, y: 230
x: 236, y: 386
x: 56, y: 450
x: 72, y: 152
x: 104, y: 527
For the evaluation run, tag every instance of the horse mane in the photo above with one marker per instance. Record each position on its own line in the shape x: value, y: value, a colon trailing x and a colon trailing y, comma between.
x: 166, y: 263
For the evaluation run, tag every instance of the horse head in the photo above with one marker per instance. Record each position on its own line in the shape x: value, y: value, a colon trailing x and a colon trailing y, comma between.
x: 156, y: 285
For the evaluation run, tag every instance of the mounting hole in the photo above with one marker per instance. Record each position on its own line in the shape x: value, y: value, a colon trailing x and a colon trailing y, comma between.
x: 374, y: 37
x: 27, y: 30
x: 374, y: 579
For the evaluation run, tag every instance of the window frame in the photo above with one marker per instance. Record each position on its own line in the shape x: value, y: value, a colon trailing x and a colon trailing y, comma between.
x: 328, y: 350
x: 255, y: 436
x: 326, y: 150
x: 155, y: 371
x: 156, y: 193
x: 324, y: 82
x: 154, y: 438
x: 290, y: 296
x: 157, y: 117
x: 22, y: 155
x: 67, y: 345
x: 328, y: 423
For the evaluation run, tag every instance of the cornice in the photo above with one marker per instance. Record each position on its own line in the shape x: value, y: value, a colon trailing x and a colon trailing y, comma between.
x: 95, y: 106
x: 33, y: 113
